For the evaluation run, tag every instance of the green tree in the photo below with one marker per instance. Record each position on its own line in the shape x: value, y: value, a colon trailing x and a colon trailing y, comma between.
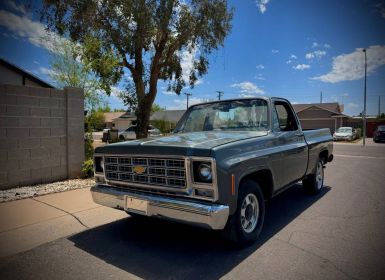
x: 146, y: 38
x: 156, y: 108
x: 69, y: 70
x: 95, y: 120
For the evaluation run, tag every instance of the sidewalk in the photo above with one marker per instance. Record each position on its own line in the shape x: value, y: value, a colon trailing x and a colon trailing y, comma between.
x: 27, y: 223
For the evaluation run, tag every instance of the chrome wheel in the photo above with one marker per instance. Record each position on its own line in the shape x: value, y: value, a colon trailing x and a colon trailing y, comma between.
x: 319, y: 175
x: 249, y: 212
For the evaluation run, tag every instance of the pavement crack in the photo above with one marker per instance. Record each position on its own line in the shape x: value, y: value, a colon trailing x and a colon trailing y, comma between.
x: 62, y: 210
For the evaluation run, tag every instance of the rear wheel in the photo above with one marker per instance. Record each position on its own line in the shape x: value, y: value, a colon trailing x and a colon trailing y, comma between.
x: 246, y: 224
x: 313, y: 183
x: 121, y: 137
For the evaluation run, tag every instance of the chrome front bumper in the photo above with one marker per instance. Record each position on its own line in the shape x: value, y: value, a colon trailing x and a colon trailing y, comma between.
x: 204, y: 214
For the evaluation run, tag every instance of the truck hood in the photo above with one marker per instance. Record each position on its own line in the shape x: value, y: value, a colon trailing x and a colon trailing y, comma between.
x: 187, y: 144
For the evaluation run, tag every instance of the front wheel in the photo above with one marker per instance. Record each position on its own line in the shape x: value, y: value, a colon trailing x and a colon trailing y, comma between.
x: 246, y: 224
x: 313, y: 183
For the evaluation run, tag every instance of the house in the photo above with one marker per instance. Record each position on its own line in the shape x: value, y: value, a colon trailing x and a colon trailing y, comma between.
x: 119, y: 120
x: 14, y: 75
x: 321, y: 115
x: 172, y: 116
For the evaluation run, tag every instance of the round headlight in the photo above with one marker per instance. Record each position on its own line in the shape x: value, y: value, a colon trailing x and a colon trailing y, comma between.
x: 204, y: 171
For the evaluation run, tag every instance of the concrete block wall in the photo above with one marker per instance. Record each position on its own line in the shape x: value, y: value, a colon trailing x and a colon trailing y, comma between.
x: 41, y: 135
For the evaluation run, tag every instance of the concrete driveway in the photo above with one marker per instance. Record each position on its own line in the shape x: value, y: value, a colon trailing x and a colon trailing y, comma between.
x: 338, y: 234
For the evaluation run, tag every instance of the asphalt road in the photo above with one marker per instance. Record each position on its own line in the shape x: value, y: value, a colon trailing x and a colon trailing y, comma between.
x: 339, y: 234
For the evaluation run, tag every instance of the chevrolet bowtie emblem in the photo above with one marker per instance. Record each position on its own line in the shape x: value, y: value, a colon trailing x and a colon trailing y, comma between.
x: 139, y: 169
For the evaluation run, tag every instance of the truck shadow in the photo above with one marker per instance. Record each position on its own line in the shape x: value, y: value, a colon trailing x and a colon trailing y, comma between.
x: 160, y: 249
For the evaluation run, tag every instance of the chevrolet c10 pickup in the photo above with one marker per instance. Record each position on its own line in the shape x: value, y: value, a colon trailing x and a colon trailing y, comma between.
x: 217, y: 169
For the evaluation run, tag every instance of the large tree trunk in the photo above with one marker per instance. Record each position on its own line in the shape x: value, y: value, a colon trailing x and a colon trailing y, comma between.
x: 143, y: 113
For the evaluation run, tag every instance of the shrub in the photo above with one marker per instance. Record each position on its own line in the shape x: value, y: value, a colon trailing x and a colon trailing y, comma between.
x: 163, y: 125
x: 95, y: 120
x: 88, y: 167
x: 88, y: 147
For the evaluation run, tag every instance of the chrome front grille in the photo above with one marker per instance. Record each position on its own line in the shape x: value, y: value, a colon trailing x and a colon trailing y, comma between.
x: 164, y: 172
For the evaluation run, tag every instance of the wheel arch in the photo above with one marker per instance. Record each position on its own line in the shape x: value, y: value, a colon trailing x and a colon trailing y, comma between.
x: 324, y: 155
x: 264, y: 179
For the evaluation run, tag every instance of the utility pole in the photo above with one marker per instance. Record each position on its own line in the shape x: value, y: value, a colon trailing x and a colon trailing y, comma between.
x: 187, y: 95
x: 364, y: 112
x: 321, y: 97
x: 220, y: 93
x: 379, y: 105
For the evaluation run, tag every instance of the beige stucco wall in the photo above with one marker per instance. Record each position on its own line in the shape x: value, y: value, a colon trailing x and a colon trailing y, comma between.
x: 41, y: 134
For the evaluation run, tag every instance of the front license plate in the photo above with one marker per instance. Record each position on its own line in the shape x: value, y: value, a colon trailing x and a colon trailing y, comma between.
x: 137, y: 205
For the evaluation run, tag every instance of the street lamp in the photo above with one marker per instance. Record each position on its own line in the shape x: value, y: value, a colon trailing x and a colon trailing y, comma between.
x: 364, y: 112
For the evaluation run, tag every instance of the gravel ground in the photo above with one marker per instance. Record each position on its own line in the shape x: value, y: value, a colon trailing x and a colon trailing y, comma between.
x: 42, y: 189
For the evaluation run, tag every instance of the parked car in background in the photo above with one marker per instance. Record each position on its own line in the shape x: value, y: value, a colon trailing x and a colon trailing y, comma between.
x: 345, y: 133
x: 379, y: 134
x: 130, y: 134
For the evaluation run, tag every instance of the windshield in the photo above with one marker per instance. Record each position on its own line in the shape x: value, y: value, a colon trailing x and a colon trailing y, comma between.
x: 345, y: 129
x: 239, y: 115
x: 381, y: 128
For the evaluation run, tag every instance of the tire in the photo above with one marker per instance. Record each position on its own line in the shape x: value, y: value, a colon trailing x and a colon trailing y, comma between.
x: 121, y: 137
x: 313, y: 183
x: 244, y: 227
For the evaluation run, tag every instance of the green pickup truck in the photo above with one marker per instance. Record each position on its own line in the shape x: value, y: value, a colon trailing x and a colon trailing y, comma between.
x: 217, y: 169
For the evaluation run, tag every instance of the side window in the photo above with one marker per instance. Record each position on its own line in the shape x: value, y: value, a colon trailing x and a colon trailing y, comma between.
x: 275, y: 120
x: 286, y: 117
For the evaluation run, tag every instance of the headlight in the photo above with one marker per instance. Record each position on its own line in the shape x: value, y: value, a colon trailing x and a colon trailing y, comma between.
x: 204, y: 171
x: 99, y: 164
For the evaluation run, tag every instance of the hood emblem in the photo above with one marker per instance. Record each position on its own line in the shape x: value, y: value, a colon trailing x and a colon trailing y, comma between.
x: 138, y: 169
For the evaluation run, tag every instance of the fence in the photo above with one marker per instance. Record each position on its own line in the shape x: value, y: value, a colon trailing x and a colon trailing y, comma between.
x: 41, y: 135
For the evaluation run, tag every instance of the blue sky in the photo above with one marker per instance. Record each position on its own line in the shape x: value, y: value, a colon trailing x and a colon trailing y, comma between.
x: 293, y: 49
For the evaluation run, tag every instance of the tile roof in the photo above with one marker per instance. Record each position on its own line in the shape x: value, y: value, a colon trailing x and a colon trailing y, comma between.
x: 332, y: 107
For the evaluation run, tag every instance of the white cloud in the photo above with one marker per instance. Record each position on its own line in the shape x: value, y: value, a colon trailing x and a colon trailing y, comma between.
x: 21, y: 8
x: 180, y: 104
x: 262, y: 4
x: 248, y: 88
x: 315, y: 54
x: 315, y: 45
x: 44, y: 71
x: 301, y: 67
x: 24, y: 27
x: 349, y: 67
x: 166, y: 92
x: 327, y: 46
x: 116, y: 92
x: 260, y: 66
x: 292, y: 58
x: 187, y: 63
x: 352, y: 105
x: 273, y: 51
x: 259, y: 77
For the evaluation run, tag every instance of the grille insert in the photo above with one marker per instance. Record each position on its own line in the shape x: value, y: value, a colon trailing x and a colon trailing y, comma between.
x: 164, y: 172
